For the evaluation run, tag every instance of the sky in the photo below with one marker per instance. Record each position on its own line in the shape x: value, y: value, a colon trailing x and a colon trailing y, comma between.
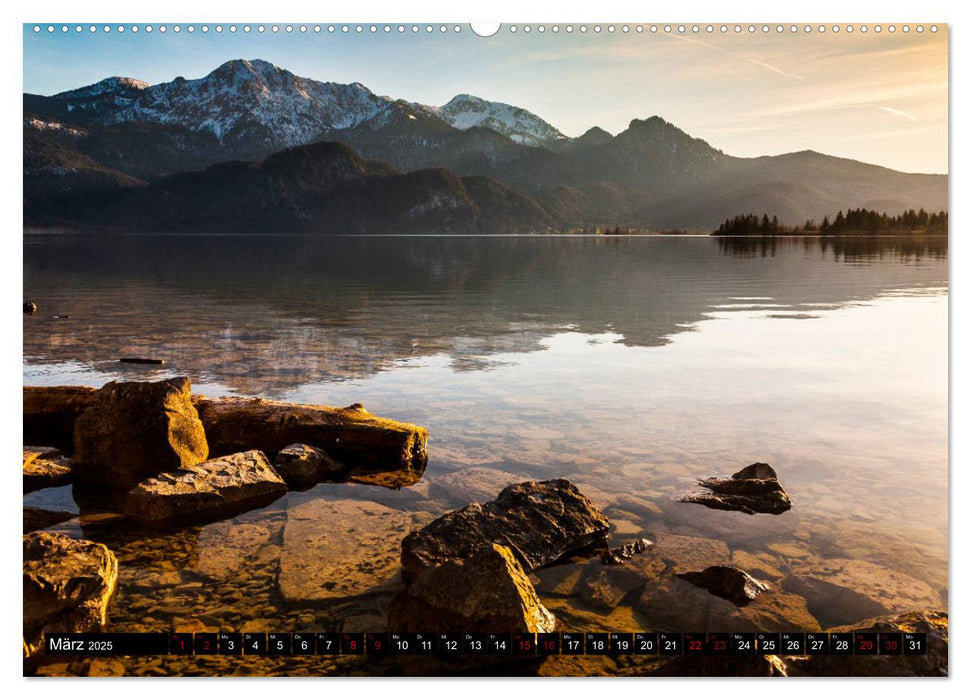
x: 876, y: 97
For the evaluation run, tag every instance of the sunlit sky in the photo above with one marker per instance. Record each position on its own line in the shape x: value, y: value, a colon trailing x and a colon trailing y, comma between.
x: 880, y: 98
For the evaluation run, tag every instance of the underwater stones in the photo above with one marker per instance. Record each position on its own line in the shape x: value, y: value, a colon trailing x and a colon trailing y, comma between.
x: 67, y: 586
x: 488, y: 591
x: 683, y: 553
x: 340, y: 549
x: 843, y: 591
x: 539, y: 521
x: 305, y: 464
x: 734, y: 585
x: 754, y: 489
x: 212, y: 489
x: 473, y: 485
x: 45, y: 467
x: 934, y: 662
x: 137, y: 429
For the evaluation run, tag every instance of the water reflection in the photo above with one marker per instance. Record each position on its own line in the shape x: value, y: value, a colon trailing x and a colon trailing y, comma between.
x: 260, y: 315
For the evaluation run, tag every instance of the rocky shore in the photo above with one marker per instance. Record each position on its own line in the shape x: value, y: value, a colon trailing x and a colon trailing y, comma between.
x: 193, y: 520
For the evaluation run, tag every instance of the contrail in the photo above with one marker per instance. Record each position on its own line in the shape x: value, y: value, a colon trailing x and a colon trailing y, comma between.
x: 898, y: 112
x: 738, y: 56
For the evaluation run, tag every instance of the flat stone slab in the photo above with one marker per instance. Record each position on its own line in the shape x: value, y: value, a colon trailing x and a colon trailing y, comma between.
x: 45, y: 467
x: 487, y: 591
x: 210, y: 490
x: 844, y: 591
x: 540, y: 522
x: 68, y: 585
x: 341, y: 549
x: 684, y: 553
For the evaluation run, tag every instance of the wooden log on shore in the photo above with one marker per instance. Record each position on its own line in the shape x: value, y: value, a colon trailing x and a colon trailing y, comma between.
x: 50, y: 413
x: 351, y: 435
x: 363, y: 442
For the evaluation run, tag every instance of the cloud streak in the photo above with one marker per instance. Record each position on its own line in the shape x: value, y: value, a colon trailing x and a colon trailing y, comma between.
x: 747, y: 59
x: 898, y: 112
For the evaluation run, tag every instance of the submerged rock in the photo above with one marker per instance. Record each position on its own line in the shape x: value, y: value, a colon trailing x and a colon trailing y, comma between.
x: 486, y: 592
x: 68, y: 585
x: 734, y: 585
x: 138, y: 429
x: 843, y: 591
x: 539, y: 521
x: 212, y: 489
x: 341, y: 549
x: 45, y: 467
x: 754, y: 489
x: 618, y: 555
x: 473, y: 485
x: 933, y: 623
x: 305, y: 464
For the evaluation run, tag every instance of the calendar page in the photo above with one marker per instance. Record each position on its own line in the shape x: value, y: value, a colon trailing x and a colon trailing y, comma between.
x: 524, y: 349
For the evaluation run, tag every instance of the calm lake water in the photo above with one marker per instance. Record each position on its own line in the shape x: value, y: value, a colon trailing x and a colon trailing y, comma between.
x: 629, y: 365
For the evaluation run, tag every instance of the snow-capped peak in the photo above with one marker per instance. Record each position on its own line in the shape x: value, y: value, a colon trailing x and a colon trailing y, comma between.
x: 465, y: 111
x: 116, y: 85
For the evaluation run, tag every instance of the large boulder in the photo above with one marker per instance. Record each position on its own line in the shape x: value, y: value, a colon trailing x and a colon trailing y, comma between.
x: 486, y: 592
x: 754, y: 489
x: 138, y: 429
x: 68, y: 585
x: 206, y: 491
x: 539, y: 521
x: 843, y: 591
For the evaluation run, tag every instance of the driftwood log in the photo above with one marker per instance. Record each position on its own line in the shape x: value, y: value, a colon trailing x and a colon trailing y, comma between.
x: 363, y: 442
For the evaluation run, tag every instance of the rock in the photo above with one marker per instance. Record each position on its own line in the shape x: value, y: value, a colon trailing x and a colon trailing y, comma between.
x: 138, y: 429
x: 618, y: 555
x: 350, y: 435
x: 142, y: 361
x: 230, y: 551
x: 51, y: 411
x: 761, y: 565
x: 210, y: 490
x: 734, y: 585
x: 334, y: 550
x: 487, y: 591
x: 45, y: 467
x: 68, y: 585
x: 540, y: 522
x: 754, y: 489
x: 30, y: 307
x: 933, y: 623
x: 475, y: 485
x: 304, y: 464
x: 843, y: 591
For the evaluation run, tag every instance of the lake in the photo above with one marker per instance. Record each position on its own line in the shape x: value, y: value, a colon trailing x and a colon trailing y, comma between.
x: 629, y: 365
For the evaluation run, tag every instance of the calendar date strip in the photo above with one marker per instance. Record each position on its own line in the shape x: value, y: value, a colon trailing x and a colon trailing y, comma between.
x: 462, y: 644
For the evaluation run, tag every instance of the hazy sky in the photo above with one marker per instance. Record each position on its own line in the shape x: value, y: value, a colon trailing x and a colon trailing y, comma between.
x: 880, y: 98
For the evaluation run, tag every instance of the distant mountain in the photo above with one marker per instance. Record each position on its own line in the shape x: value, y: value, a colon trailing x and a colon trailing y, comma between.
x: 467, y: 111
x: 124, y: 133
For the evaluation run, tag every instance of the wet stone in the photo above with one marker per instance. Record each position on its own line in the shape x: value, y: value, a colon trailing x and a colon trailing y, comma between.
x: 734, y: 585
x: 486, y: 592
x: 474, y: 485
x: 754, y: 489
x: 540, y: 522
x: 305, y: 464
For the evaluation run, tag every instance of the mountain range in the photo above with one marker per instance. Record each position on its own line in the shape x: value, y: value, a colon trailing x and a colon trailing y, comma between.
x: 253, y: 147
